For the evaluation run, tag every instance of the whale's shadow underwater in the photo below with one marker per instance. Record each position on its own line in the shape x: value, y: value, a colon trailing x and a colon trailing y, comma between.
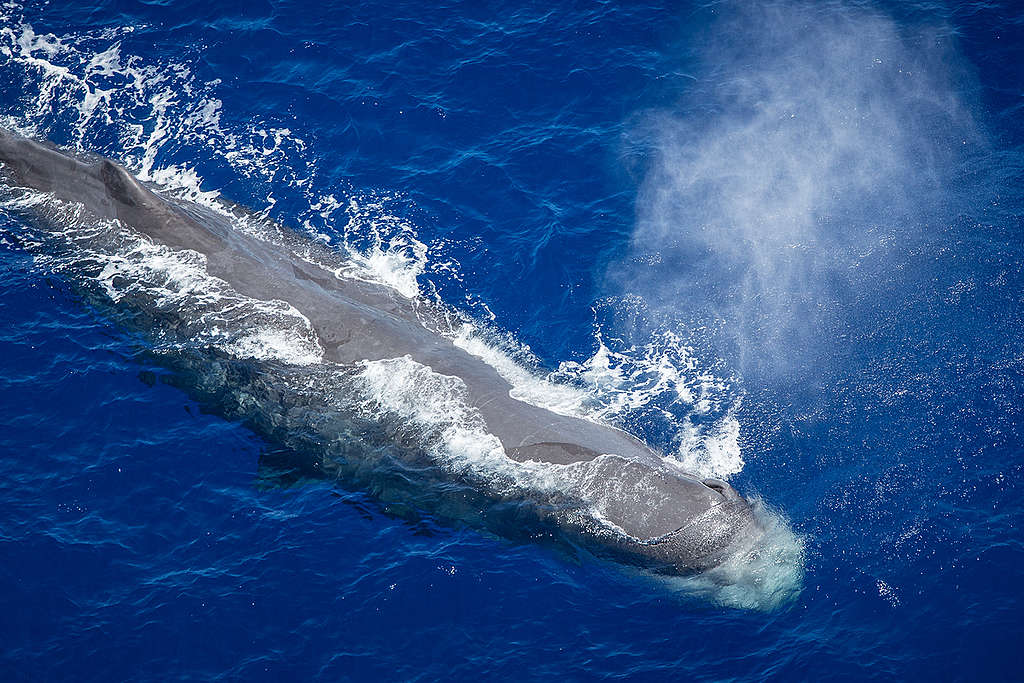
x: 352, y: 379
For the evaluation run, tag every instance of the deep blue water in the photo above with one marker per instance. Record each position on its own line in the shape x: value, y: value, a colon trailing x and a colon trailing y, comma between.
x: 812, y: 210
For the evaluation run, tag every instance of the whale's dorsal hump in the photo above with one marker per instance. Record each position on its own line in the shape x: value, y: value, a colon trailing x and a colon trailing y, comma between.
x: 552, y: 452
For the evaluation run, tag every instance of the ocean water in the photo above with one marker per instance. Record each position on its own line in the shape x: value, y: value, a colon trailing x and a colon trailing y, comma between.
x: 782, y: 244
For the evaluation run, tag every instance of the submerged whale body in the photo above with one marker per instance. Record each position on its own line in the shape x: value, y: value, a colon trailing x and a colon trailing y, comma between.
x: 377, y: 393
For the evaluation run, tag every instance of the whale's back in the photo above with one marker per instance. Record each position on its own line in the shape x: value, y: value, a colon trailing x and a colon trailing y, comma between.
x: 651, y: 512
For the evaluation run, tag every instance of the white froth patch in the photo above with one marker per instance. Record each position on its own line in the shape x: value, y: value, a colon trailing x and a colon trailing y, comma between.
x: 627, y: 385
x: 662, y: 371
x: 177, y: 281
x: 382, y: 248
x: 455, y: 432
x: 614, y: 386
x: 526, y: 386
x: 182, y: 183
x: 663, y: 379
x: 711, y: 453
x: 285, y: 346
x: 436, y: 405
x: 152, y: 107
x: 398, y: 264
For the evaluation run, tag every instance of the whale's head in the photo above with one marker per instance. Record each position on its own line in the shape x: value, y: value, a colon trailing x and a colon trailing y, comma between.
x: 713, y: 527
x: 665, y: 519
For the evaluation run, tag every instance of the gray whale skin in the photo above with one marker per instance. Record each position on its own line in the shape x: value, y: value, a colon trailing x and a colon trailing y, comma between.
x: 652, y: 514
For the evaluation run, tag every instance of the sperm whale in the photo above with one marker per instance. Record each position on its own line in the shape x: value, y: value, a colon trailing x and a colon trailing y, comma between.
x: 596, y: 485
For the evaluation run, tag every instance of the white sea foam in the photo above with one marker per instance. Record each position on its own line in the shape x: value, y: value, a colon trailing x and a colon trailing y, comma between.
x: 291, y: 346
x: 154, y: 108
x: 713, y: 452
x: 435, y: 405
x: 527, y: 386
x: 176, y: 281
x: 380, y: 246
